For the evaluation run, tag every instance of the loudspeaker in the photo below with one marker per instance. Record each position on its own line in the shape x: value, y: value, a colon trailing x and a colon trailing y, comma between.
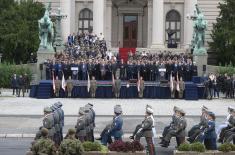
x: 41, y: 67
x: 204, y: 68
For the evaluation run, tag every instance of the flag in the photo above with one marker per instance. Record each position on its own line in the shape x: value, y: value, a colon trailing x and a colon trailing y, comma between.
x: 53, y: 81
x: 63, y: 83
x: 171, y: 83
x: 138, y: 82
x: 88, y: 83
x: 113, y: 81
x: 177, y: 85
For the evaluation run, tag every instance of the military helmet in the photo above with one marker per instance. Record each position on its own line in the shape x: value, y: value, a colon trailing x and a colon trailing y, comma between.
x: 118, y: 109
x: 44, y: 132
x: 47, y: 110
x: 71, y: 131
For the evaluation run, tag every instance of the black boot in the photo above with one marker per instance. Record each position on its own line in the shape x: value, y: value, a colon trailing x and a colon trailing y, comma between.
x: 165, y: 144
x: 131, y: 137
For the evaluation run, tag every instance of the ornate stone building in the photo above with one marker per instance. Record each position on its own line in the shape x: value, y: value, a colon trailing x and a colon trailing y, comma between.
x: 135, y: 23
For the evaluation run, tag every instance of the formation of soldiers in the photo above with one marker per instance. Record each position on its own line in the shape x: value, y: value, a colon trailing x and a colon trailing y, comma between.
x: 20, y: 84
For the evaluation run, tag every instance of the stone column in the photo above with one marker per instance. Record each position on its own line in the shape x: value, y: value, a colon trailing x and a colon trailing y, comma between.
x: 120, y: 30
x: 98, y: 16
x: 158, y: 24
x: 140, y: 30
x: 150, y: 18
x: 108, y: 21
x: 67, y: 9
x: 189, y: 7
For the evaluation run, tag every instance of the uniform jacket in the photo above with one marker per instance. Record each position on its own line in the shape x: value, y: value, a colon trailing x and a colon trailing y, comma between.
x: 117, y: 84
x: 48, y: 122
x: 116, y: 129
x: 180, y: 127
x: 147, y: 126
x: 56, y: 120
x: 69, y: 85
x: 210, y: 130
x: 81, y: 126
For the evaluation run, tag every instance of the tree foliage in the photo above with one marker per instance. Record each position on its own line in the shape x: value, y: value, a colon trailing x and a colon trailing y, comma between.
x: 223, y: 33
x: 19, y: 29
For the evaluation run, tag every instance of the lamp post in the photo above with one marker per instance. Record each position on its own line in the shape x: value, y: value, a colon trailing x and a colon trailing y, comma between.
x: 58, y: 44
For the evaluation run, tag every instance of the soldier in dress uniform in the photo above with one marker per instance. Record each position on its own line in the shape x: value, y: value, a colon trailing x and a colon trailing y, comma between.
x: 117, y: 87
x: 178, y: 130
x: 141, y: 87
x: 122, y: 67
x: 88, y: 123
x: 145, y: 130
x: 69, y: 86
x: 89, y: 106
x: 115, y: 129
x: 71, y: 145
x: 81, y: 125
x: 182, y: 87
x: 57, y: 87
x: 197, y: 128
x: 57, y: 137
x: 93, y: 87
x: 48, y: 122
x: 61, y: 115
x: 44, y: 145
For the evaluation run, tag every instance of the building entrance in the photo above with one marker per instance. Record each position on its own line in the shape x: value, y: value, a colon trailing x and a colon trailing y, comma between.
x: 130, y: 29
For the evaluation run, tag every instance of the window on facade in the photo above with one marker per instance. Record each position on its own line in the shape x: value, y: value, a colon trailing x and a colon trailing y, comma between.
x: 173, y: 25
x: 85, y: 23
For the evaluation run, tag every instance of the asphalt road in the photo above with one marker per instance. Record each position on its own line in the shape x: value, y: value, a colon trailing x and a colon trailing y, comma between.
x: 15, y: 146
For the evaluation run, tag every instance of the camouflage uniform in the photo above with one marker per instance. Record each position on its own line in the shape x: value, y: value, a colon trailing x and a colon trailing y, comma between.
x: 88, y: 122
x: 69, y: 87
x: 56, y: 115
x: 117, y: 88
x: 141, y: 92
x: 57, y: 88
x: 71, y: 146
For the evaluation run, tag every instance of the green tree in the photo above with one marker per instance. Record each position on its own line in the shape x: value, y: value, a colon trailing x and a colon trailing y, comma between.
x: 223, y: 33
x: 19, y: 29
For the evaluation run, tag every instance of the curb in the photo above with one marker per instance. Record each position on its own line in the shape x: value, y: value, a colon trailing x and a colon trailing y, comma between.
x: 96, y: 135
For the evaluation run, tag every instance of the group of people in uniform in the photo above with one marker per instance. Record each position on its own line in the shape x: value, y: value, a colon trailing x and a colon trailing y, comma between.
x: 20, y: 84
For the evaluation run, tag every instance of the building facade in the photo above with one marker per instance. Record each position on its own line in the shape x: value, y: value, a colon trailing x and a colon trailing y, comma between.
x: 135, y: 23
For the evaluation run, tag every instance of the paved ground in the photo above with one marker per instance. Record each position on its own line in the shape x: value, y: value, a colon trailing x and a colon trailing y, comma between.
x: 21, y: 117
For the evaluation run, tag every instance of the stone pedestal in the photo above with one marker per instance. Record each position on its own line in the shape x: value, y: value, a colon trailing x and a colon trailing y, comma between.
x: 43, y: 55
x: 200, y: 61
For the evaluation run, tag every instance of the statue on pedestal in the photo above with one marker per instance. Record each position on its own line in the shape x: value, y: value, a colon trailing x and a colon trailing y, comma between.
x: 46, y: 32
x: 200, y: 26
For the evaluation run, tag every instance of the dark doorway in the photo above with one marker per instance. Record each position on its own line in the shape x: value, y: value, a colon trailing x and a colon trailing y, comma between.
x: 130, y: 29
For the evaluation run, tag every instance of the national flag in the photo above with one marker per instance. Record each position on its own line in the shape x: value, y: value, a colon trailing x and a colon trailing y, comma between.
x: 88, y: 83
x: 171, y: 83
x: 138, y: 82
x: 63, y: 83
x: 113, y: 81
x: 177, y: 85
x: 53, y: 81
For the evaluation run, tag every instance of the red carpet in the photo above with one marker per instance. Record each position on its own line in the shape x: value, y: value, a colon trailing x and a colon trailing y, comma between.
x: 123, y: 53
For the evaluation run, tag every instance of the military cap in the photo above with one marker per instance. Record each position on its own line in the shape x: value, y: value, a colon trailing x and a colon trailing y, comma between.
x: 71, y: 131
x: 47, y: 110
x: 88, y: 106
x: 182, y: 111
x: 149, y: 110
x: 59, y: 104
x: 53, y: 107
x: 231, y: 109
x: 118, y: 109
x: 176, y: 108
x: 204, y: 108
x: 149, y: 106
x: 81, y: 110
x: 44, y: 132
x: 211, y: 114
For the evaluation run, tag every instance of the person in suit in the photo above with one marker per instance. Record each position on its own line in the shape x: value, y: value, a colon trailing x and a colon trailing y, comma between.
x: 116, y: 127
x: 145, y: 130
x: 14, y: 84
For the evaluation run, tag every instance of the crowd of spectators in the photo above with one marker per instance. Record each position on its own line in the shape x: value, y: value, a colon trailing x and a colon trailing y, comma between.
x: 87, y: 54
